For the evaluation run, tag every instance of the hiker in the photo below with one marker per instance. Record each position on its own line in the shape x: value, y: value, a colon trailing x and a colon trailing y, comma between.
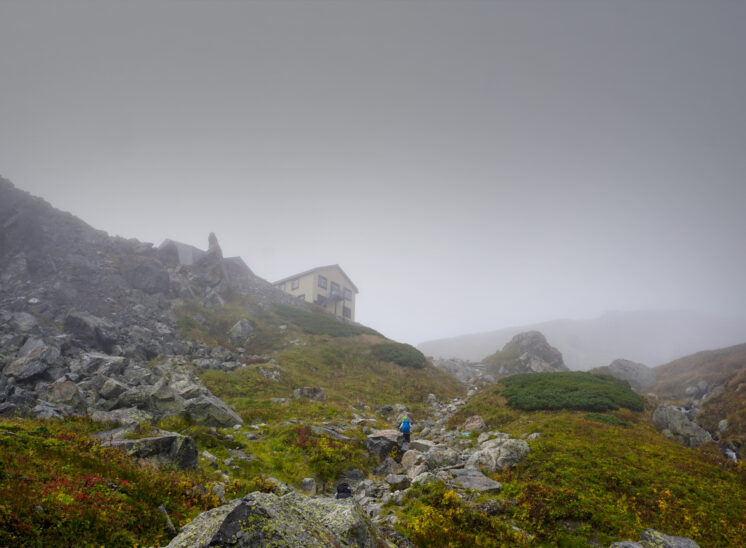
x: 405, y: 427
x: 343, y: 491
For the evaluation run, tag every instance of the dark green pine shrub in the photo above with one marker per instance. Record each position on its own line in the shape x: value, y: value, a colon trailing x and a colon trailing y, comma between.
x: 569, y: 390
x: 402, y: 354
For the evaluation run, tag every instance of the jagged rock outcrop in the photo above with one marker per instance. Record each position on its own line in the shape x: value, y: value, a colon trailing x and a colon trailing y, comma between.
x: 677, y: 425
x: 527, y: 352
x: 265, y: 519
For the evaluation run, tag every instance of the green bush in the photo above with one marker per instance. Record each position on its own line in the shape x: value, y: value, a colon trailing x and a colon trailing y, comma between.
x: 321, y: 323
x: 569, y: 390
x: 402, y: 354
x: 607, y: 419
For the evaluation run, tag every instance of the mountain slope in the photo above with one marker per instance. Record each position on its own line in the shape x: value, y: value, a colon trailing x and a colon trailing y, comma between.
x: 592, y: 478
x: 649, y: 337
x: 714, y: 381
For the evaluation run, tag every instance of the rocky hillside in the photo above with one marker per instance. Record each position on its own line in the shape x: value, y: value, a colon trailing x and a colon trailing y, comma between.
x: 711, y: 386
x: 649, y: 337
x: 148, y: 402
x: 118, y: 328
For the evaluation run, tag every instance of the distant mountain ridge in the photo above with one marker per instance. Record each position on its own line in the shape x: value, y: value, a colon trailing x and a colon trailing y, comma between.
x: 652, y: 337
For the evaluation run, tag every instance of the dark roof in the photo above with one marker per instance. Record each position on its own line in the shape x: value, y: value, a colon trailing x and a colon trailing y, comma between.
x: 311, y: 271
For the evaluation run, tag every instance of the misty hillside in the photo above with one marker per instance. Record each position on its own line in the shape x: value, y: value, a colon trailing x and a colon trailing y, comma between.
x: 649, y: 337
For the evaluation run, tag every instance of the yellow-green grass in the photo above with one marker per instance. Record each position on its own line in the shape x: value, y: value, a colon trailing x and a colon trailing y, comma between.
x: 347, y: 371
x: 592, y: 479
x: 59, y: 487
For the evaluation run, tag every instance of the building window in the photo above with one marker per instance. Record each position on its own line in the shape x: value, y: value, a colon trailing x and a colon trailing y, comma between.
x: 295, y: 283
x: 302, y: 296
x: 281, y: 286
x: 347, y: 312
x: 335, y: 289
x: 348, y: 294
x: 322, y: 281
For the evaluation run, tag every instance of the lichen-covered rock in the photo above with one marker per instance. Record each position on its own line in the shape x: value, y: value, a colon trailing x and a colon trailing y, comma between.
x: 471, y: 478
x: 310, y: 393
x: 650, y: 538
x: 384, y: 443
x: 34, y: 358
x: 293, y: 520
x: 440, y: 456
x: 170, y: 448
x: 398, y: 481
x: 241, y: 330
x: 681, y: 427
x: 473, y: 423
x: 209, y: 410
x: 498, y: 455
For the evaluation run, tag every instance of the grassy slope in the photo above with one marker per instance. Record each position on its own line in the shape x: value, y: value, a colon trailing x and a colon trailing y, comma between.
x: 727, y: 367
x: 313, y: 349
x: 587, y: 479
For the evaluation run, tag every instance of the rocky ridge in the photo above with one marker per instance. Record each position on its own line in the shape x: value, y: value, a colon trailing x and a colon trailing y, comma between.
x: 88, y: 322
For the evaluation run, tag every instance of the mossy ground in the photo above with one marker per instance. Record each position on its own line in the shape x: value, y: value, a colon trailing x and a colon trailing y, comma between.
x: 596, y: 478
x: 352, y: 363
x: 59, y: 487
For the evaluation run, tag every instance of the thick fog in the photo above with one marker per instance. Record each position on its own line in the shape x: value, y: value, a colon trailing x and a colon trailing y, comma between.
x: 470, y: 165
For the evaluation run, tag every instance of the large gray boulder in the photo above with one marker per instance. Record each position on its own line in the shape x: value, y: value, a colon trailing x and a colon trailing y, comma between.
x: 439, y: 457
x: 383, y: 443
x: 265, y: 519
x: 638, y: 375
x: 66, y: 392
x: 167, y: 448
x: 33, y: 359
x: 91, y: 330
x: 471, y: 478
x: 497, y: 455
x: 211, y: 411
x: 678, y: 426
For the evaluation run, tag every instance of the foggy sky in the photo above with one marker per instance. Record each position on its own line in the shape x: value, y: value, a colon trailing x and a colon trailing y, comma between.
x: 470, y: 165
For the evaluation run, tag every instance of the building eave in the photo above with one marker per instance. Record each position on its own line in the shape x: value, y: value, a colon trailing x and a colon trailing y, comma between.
x: 312, y: 270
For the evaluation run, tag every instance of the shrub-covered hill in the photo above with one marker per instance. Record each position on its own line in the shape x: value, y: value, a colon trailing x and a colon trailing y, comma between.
x: 292, y: 347
x: 592, y: 478
x: 717, y: 378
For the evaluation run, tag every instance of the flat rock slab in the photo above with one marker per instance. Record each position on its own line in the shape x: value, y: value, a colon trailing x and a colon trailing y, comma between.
x: 471, y: 478
x: 422, y: 445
